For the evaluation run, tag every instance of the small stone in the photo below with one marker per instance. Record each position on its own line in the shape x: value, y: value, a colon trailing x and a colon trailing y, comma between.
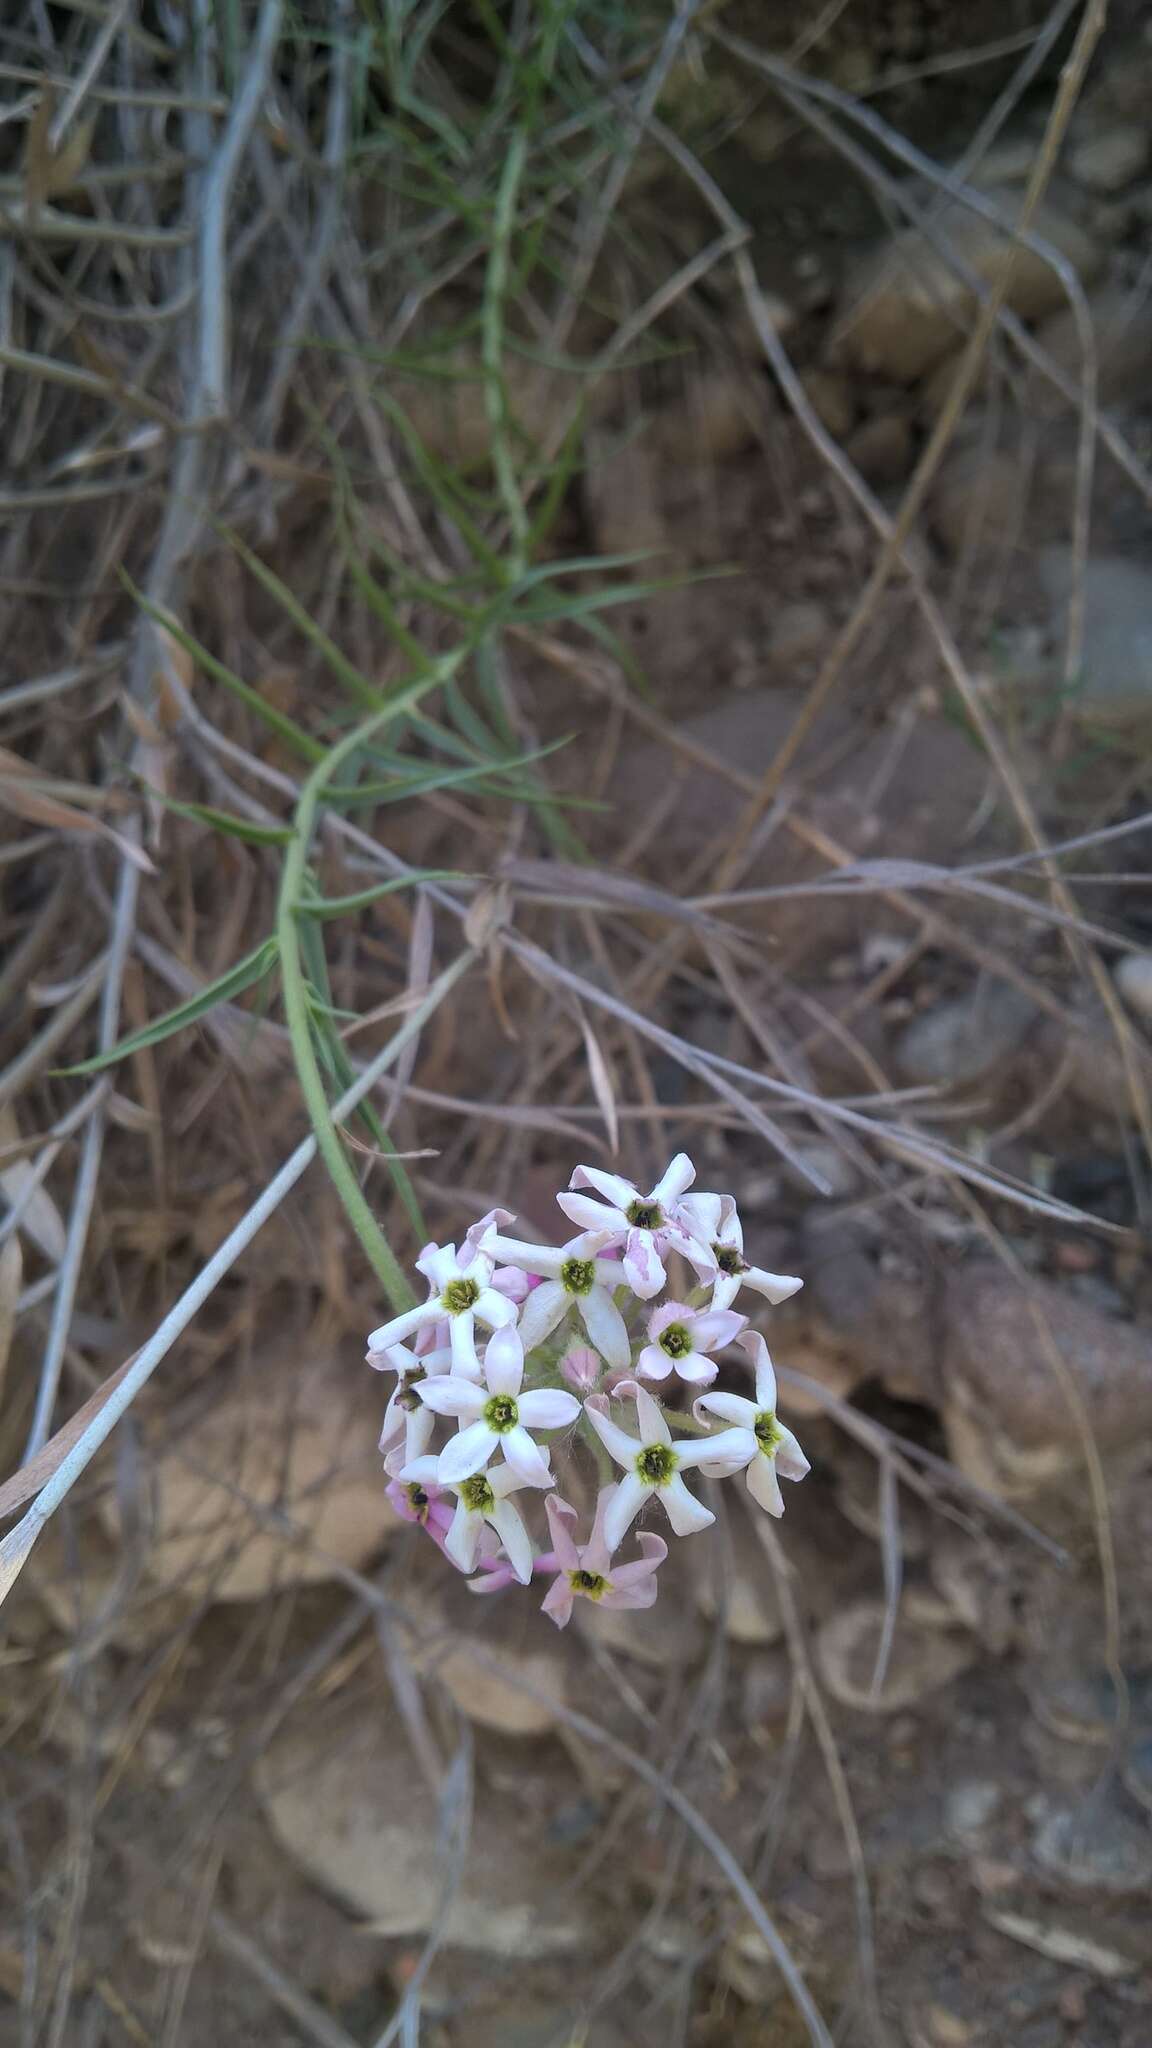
x: 1116, y: 658
x: 958, y: 1040
x: 971, y: 1805
x: 1122, y: 332
x: 666, y: 1637
x: 882, y: 449
x: 832, y: 1164
x: 924, y: 1658
x: 905, y: 307
x: 1108, y: 162
x: 831, y: 398
x: 1096, y: 1847
x: 797, y: 630
x: 348, y: 1800
x: 732, y: 1577
x: 491, y: 1696
x: 977, y: 501
x: 1133, y: 977
x: 946, y: 2029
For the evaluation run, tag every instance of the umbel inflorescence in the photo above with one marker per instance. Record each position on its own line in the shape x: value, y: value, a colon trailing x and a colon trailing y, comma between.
x: 518, y: 1342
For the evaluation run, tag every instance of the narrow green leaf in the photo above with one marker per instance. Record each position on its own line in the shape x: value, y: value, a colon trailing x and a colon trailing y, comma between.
x: 286, y: 728
x: 224, y: 821
x: 346, y: 906
x: 253, y: 967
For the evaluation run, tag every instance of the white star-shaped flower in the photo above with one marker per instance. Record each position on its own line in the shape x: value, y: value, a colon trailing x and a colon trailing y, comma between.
x: 482, y: 1501
x: 771, y: 1449
x: 496, y: 1415
x: 461, y: 1293
x: 648, y: 1226
x: 652, y: 1465
x: 714, y: 1227
x: 408, y: 1424
x: 680, y: 1340
x: 573, y: 1277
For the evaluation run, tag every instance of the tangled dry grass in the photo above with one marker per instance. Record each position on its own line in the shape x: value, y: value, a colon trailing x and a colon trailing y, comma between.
x: 311, y: 320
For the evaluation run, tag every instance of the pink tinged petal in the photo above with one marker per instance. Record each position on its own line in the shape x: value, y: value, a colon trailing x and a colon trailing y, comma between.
x: 756, y: 1351
x: 729, y: 1407
x: 447, y: 1395
x: 544, y: 1308
x: 515, y: 1538
x: 713, y: 1328
x: 612, y: 1186
x: 395, y: 1463
x: 725, y: 1288
x: 393, y: 1429
x: 642, y: 1268
x: 615, y: 1440
x: 504, y: 1362
x: 699, y: 1215
x: 418, y: 1430
x: 580, y: 1366
x: 494, y: 1309
x: 402, y: 1326
x: 642, y: 1594
x: 558, y: 1601
x: 627, y: 1500
x: 653, y: 1364
x: 487, y: 1227
x: 510, y: 1281
x: 685, y: 1512
x: 596, y: 1555
x: 606, y: 1327
x: 468, y: 1452
x: 590, y: 1215
x: 675, y: 1181
x: 625, y: 1575
x: 439, y: 1265
x: 653, y: 1428
x: 727, y: 1468
x: 764, y: 1486
x: 493, y: 1578
x: 731, y: 1448
x: 542, y: 1259
x: 775, y: 1287
x: 525, y: 1458
x: 463, y: 1539
x: 790, y: 1460
x: 696, y: 1371
x: 548, y: 1408
x: 561, y: 1520
x: 698, y: 1255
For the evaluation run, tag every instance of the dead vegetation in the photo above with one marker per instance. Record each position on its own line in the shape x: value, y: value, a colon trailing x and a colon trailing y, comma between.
x: 573, y: 578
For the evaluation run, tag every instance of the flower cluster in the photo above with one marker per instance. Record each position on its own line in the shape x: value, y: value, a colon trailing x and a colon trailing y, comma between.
x: 573, y: 1344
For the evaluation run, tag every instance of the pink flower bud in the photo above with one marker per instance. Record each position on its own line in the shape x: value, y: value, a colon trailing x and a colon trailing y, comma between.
x: 580, y: 1366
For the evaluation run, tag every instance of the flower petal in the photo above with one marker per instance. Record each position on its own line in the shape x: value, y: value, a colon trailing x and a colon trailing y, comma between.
x: 615, y: 1440
x: 515, y: 1538
x: 729, y: 1407
x: 675, y: 1181
x: 614, y: 1188
x: 561, y: 1521
x: 544, y: 1308
x: 649, y: 1414
x: 627, y: 1500
x: 504, y: 1361
x: 494, y: 1309
x: 447, y: 1395
x: 756, y: 1351
x: 462, y: 1334
x: 463, y: 1539
x: 525, y: 1458
x: 590, y: 1215
x: 606, y: 1327
x: 642, y: 1267
x: 790, y: 1460
x: 775, y: 1287
x: 697, y: 1371
x: 541, y: 1259
x: 439, y: 1265
x: 558, y: 1601
x: 715, y: 1327
x: 653, y: 1364
x: 641, y: 1594
x: 684, y: 1511
x: 548, y: 1408
x: 730, y: 1448
x: 700, y: 1215
x: 467, y: 1452
x: 764, y: 1486
x: 402, y: 1326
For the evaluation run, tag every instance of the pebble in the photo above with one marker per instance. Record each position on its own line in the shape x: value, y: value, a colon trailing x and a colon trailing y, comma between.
x: 1108, y: 162
x: 1133, y: 977
x: 958, y: 1040
x: 346, y: 1797
x: 1096, y: 1846
x: 1116, y: 658
x: 733, y: 1578
x: 971, y: 1805
x: 924, y: 1658
x: 798, y: 630
x: 905, y: 307
x: 977, y: 501
x: 881, y: 449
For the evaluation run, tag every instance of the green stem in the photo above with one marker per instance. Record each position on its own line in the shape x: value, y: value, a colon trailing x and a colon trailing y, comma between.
x: 492, y: 356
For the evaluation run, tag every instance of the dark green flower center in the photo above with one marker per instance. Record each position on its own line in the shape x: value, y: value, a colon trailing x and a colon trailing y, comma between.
x: 477, y: 1495
x: 501, y: 1413
x: 577, y: 1276
x: 729, y: 1260
x: 404, y: 1392
x: 655, y: 1464
x: 460, y: 1295
x: 592, y: 1584
x: 676, y: 1340
x: 767, y: 1431
x: 644, y: 1215
x: 418, y: 1501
